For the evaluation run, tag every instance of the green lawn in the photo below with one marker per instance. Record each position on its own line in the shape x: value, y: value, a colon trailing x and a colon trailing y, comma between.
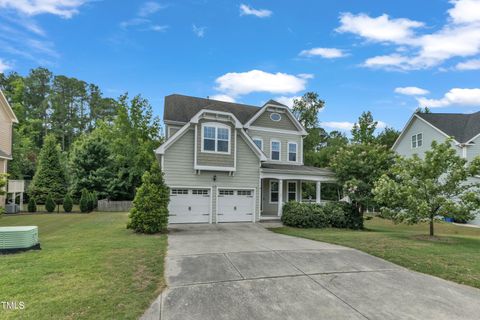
x: 90, y: 267
x: 453, y: 255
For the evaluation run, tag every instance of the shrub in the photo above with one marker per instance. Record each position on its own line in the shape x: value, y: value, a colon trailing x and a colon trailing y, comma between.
x: 50, y: 204
x: 149, y: 213
x: 313, y: 215
x: 95, y: 199
x: 67, y: 203
x: 90, y: 202
x: 32, y: 205
x: 84, y: 201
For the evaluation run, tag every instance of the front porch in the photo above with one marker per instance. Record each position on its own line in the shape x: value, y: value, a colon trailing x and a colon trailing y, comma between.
x: 281, y: 183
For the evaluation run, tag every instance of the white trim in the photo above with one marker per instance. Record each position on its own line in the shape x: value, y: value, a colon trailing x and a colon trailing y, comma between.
x: 8, y: 108
x: 416, y: 140
x: 172, y: 139
x: 293, y: 176
x: 216, y: 125
x: 464, y: 151
x: 289, y: 113
x: 258, y: 138
x: 197, y: 187
x: 196, y: 118
x: 475, y: 137
x: 173, y: 122
x: 277, y: 113
x: 270, y: 191
x: 237, y: 188
x: 296, y: 190
x: 214, y: 168
x: 195, y: 146
x: 296, y: 151
x: 274, y: 130
x: 279, y: 150
x: 318, y: 192
x: 253, y: 146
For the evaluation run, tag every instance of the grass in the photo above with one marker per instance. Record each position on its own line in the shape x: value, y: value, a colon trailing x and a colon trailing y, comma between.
x: 454, y: 254
x: 90, y: 267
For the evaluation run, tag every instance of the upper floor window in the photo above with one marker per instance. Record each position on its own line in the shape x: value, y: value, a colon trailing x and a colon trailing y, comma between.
x: 275, y: 116
x: 292, y: 151
x: 417, y: 140
x: 215, y: 138
x: 275, y: 150
x: 258, y: 142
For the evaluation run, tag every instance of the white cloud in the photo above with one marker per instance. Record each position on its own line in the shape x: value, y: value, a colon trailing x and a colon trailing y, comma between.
x: 222, y: 97
x: 149, y: 8
x: 246, y: 10
x: 4, y: 66
x: 328, y: 53
x: 199, y: 31
x: 241, y: 83
x: 469, y: 65
x: 381, y: 124
x: 63, y: 8
x: 288, y: 101
x: 305, y: 75
x: 411, y: 91
x: 337, y: 125
x: 459, y: 37
x: 455, y: 97
x: 380, y: 29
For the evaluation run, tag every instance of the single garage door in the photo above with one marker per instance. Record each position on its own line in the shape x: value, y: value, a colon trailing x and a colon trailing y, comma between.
x: 189, y: 205
x: 235, y: 205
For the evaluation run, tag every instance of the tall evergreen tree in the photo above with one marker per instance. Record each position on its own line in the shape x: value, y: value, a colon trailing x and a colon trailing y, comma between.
x: 49, y: 177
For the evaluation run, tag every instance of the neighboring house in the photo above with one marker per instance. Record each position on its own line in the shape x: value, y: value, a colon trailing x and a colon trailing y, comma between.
x: 227, y: 162
x: 423, y: 128
x: 7, y: 119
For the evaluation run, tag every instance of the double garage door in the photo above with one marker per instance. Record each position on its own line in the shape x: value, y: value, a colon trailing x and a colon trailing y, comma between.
x: 194, y: 205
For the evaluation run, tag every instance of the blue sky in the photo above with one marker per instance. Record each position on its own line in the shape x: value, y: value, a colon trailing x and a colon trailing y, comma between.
x: 384, y: 56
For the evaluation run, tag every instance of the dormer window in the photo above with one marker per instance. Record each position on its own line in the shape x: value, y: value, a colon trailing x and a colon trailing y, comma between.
x: 275, y: 116
x: 215, y: 138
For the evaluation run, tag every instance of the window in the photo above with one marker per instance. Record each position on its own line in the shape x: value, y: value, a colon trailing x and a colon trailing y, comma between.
x: 292, y: 151
x: 292, y: 191
x: 200, y: 192
x: 244, y: 192
x: 179, y: 191
x: 225, y: 192
x: 275, y: 116
x: 275, y: 150
x: 417, y: 140
x: 258, y: 142
x: 216, y: 138
x: 273, y: 191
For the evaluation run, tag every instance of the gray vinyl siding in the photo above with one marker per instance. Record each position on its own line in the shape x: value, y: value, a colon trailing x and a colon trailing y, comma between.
x: 473, y: 150
x: 172, y: 129
x: 285, y: 122
x: 272, y: 208
x: 178, y: 168
x: 215, y: 159
x: 404, y: 147
x: 284, y: 138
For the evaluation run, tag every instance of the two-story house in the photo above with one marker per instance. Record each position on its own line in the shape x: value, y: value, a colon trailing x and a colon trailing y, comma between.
x: 229, y: 162
x: 423, y: 128
x: 7, y: 119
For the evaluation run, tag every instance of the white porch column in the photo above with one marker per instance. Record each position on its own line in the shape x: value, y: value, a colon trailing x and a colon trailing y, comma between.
x: 319, y: 191
x: 299, y: 190
x: 280, y: 197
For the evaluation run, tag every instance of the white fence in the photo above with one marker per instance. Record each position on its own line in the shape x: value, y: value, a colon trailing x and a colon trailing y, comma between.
x: 114, y: 206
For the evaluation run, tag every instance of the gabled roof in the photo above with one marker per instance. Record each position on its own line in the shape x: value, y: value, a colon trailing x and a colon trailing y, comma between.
x: 462, y: 127
x: 274, y: 103
x: 6, y: 106
x: 182, y: 108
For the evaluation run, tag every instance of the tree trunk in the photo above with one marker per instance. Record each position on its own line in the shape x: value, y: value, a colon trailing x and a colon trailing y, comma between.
x: 431, y: 226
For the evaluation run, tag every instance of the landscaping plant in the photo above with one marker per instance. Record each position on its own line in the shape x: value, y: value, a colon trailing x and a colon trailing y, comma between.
x: 67, y: 203
x: 32, y: 205
x: 149, y: 213
x: 3, y: 184
x: 84, y: 201
x: 50, y: 204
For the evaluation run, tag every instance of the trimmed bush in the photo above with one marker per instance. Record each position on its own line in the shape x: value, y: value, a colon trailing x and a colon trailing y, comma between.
x: 90, y: 202
x: 67, y: 203
x: 313, y: 215
x: 50, y: 204
x: 95, y: 199
x: 32, y: 205
x: 84, y: 201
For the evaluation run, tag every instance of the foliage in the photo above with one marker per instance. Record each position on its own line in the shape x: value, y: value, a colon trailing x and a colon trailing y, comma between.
x: 68, y: 203
x: 90, y: 202
x: 90, y: 165
x: 357, y: 167
x: 50, y: 204
x: 150, y: 206
x: 416, y: 189
x: 49, y: 179
x: 387, y: 137
x: 363, y: 131
x: 84, y: 201
x: 32, y: 205
x: 330, y: 143
x: 3, y: 184
x: 314, y: 215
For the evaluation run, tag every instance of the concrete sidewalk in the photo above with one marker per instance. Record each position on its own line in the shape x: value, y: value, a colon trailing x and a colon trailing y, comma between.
x: 242, y: 271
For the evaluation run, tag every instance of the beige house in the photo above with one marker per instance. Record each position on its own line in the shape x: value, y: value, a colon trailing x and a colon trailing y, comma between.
x: 7, y: 119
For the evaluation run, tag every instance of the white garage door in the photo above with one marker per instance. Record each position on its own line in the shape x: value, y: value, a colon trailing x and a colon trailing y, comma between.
x: 235, y: 205
x: 189, y: 205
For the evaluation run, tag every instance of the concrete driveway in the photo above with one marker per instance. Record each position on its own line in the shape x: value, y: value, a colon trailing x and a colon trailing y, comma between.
x: 242, y: 271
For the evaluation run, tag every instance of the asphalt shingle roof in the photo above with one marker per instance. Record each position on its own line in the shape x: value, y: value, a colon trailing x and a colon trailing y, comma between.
x: 462, y: 127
